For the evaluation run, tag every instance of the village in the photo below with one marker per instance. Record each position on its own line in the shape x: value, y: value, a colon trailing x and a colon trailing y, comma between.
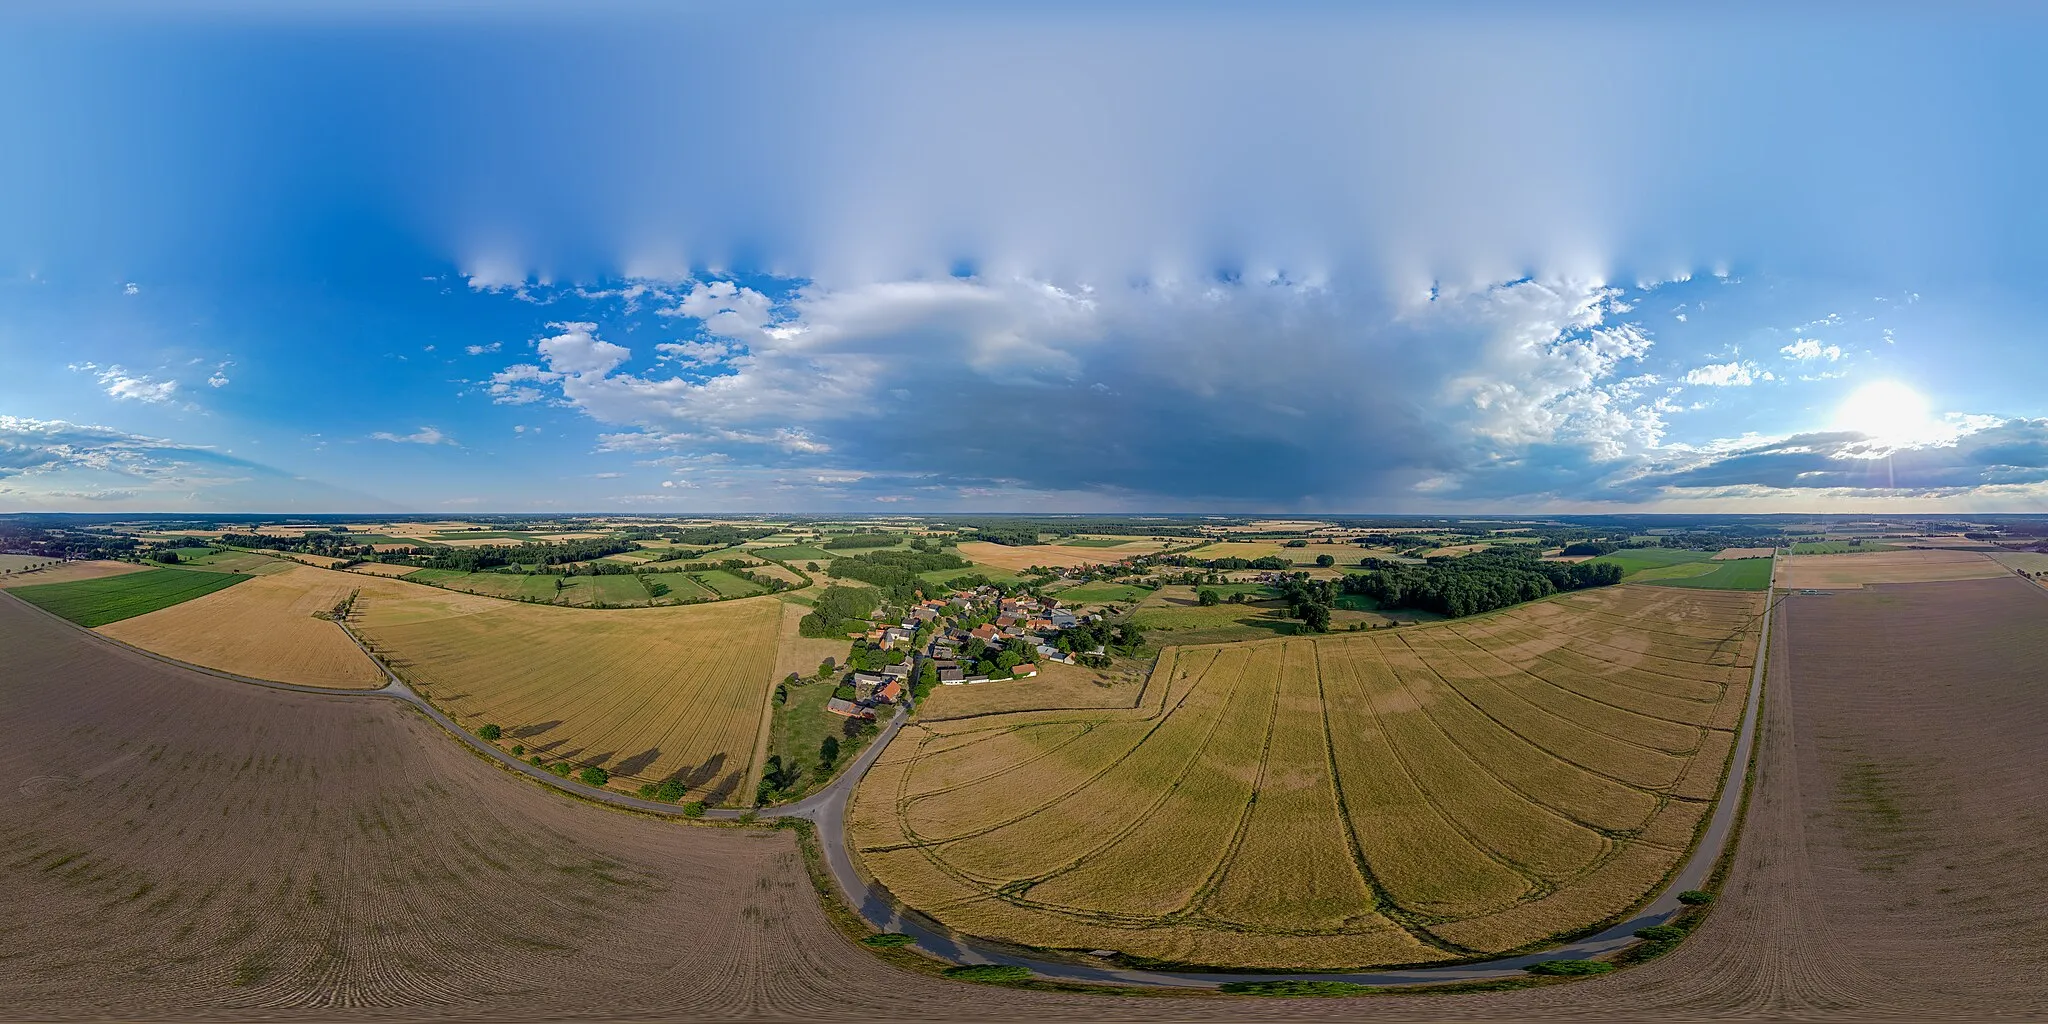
x: 971, y: 637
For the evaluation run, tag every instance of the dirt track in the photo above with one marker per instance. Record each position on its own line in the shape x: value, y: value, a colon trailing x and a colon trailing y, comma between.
x: 178, y: 845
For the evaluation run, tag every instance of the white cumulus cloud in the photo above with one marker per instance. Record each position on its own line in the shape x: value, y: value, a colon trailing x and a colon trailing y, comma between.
x: 1810, y: 349
x: 1739, y: 373
x: 425, y: 435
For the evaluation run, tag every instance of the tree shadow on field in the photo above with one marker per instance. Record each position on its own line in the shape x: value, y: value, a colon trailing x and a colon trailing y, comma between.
x: 547, y: 747
x: 598, y: 760
x: 638, y: 762
x: 719, y: 793
x: 703, y: 773
x: 535, y: 729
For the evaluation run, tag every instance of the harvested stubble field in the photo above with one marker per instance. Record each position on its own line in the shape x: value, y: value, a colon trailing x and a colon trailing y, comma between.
x: 176, y: 846
x: 1728, y: 554
x: 1017, y: 558
x: 264, y: 629
x: 1852, y: 571
x: 1375, y: 799
x: 383, y: 568
x: 647, y: 694
x: 70, y: 572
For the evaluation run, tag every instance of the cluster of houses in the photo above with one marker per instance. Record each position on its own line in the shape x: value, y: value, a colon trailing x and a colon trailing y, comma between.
x: 1016, y: 618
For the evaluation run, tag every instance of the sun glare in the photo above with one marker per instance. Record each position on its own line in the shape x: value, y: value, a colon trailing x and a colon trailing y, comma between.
x: 1887, y: 411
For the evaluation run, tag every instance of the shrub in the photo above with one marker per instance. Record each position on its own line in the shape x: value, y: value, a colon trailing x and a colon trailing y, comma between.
x: 1661, y: 933
x: 536, y: 761
x: 645, y: 792
x: 693, y: 809
x: 560, y: 768
x: 518, y: 750
x: 670, y: 791
x: 594, y: 776
x: 1695, y: 897
x: 490, y: 732
x: 988, y: 972
x: 888, y: 940
x: 1293, y: 987
x: 1569, y: 968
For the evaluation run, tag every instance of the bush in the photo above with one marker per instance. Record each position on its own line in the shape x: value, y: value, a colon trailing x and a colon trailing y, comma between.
x: 518, y: 750
x: 988, y: 972
x: 1291, y: 987
x: 536, y: 761
x: 693, y: 809
x: 1569, y: 968
x: 888, y: 940
x: 1661, y: 933
x: 490, y: 732
x: 594, y: 776
x: 560, y: 768
x: 670, y: 791
x: 1695, y: 898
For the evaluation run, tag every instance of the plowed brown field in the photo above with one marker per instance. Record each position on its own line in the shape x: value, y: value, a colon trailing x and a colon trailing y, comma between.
x: 1355, y: 800
x: 177, y: 846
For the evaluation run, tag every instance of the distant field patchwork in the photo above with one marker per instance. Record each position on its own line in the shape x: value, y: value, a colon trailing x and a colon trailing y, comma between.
x: 1379, y: 798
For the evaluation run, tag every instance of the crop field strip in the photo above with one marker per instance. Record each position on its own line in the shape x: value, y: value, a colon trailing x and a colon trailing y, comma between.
x: 647, y: 694
x: 1440, y: 791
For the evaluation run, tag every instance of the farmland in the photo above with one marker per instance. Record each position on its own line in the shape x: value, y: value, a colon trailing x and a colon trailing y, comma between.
x: 1890, y: 826
x: 1015, y: 558
x: 1719, y: 574
x: 648, y: 694
x: 1667, y: 562
x: 264, y: 628
x: 1840, y: 547
x: 16, y: 563
x: 1393, y: 797
x: 96, y: 602
x: 1849, y: 572
x: 69, y: 572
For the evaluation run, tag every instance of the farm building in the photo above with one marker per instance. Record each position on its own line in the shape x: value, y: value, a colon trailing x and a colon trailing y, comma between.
x: 848, y: 708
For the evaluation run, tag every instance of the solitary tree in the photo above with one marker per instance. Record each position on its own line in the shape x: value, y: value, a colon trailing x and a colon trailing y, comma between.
x: 828, y: 753
x: 1208, y: 597
x: 490, y: 732
x: 1326, y: 561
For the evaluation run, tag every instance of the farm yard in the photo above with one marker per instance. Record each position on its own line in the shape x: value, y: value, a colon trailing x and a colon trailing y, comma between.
x: 1854, y: 571
x: 265, y: 629
x: 646, y: 694
x: 1502, y: 779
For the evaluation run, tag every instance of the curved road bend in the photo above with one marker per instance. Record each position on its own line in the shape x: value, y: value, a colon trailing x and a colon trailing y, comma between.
x: 826, y: 809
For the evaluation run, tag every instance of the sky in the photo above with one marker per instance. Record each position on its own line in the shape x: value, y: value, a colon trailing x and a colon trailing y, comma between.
x: 1328, y: 258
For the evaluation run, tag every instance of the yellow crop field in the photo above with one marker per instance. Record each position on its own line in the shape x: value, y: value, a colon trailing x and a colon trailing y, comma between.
x: 647, y: 694
x: 1396, y: 797
x: 1853, y: 571
x: 263, y: 628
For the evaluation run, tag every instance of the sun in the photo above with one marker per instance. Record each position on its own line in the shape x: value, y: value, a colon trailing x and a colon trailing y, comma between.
x: 1887, y: 411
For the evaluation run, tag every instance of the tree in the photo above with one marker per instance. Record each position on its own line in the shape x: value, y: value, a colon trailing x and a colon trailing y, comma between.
x: 1207, y: 597
x: 828, y: 753
x: 490, y: 732
x: 1316, y: 617
x: 1326, y: 561
x: 825, y: 667
x: 168, y: 557
x: 594, y: 776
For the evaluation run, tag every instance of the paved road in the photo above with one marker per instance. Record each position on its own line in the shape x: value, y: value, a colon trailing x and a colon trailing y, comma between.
x: 826, y: 809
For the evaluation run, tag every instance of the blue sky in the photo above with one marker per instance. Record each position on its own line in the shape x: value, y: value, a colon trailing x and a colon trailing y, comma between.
x: 1318, y: 258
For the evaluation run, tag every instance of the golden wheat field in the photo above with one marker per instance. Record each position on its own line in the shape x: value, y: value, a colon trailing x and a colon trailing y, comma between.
x: 1853, y: 571
x: 70, y: 572
x: 1430, y: 793
x: 264, y: 628
x: 645, y: 693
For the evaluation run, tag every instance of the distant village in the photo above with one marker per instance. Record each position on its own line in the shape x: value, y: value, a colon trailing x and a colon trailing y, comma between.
x: 971, y: 637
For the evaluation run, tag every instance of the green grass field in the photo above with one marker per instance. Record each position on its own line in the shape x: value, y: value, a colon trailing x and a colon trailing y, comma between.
x: 728, y: 585
x: 801, y: 725
x: 113, y: 598
x: 1838, y: 547
x: 1733, y: 574
x: 1635, y: 561
x: 231, y: 560
x: 1102, y: 593
x: 944, y: 577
